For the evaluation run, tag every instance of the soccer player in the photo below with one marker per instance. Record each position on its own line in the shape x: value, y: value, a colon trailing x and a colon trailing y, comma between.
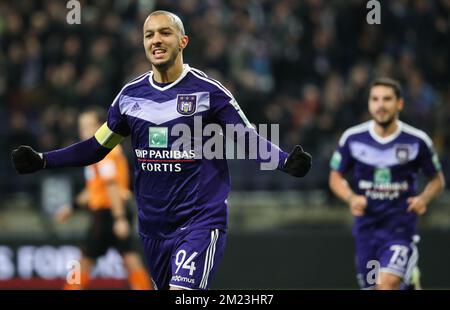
x: 181, y: 196
x: 106, y: 194
x: 385, y: 155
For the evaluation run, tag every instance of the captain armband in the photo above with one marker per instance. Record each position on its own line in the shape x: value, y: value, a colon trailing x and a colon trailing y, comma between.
x: 107, y: 138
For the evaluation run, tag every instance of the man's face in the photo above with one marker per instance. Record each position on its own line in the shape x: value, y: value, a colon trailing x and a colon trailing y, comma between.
x: 162, y: 41
x: 87, y: 125
x: 384, y: 105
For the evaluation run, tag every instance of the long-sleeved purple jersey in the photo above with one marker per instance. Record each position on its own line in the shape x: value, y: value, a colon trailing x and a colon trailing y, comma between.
x: 175, y: 189
x: 385, y: 170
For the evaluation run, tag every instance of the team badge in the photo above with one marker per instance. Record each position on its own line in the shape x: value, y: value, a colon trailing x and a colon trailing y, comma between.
x: 186, y: 104
x: 402, y: 153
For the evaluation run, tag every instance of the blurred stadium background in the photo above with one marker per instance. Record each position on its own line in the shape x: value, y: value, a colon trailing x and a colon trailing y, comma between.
x: 305, y: 65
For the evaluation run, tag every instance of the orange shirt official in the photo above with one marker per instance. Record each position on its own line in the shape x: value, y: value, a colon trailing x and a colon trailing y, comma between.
x: 113, y: 168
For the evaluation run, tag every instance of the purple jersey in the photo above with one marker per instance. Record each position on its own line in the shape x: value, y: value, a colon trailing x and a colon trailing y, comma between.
x: 385, y: 170
x: 175, y: 190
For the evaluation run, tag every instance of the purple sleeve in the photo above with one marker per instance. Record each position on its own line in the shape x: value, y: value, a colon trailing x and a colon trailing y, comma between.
x: 342, y: 160
x: 226, y: 111
x: 80, y: 154
x: 428, y: 160
x: 90, y: 151
x: 116, y: 121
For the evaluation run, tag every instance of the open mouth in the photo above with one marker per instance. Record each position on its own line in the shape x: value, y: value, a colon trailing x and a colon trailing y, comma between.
x: 159, y: 52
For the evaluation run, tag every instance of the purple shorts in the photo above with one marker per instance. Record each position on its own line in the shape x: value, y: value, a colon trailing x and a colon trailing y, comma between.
x: 373, y: 255
x: 187, y: 261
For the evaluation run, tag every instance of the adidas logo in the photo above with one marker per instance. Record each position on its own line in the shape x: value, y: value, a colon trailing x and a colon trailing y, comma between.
x: 135, y: 107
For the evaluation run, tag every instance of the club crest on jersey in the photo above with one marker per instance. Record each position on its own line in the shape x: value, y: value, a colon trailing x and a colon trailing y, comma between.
x: 186, y: 104
x: 402, y: 153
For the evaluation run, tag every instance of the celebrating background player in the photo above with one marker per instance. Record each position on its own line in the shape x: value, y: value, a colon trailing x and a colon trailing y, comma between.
x: 385, y: 156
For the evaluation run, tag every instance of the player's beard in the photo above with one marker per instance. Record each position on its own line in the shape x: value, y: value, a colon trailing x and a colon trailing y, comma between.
x: 386, y: 123
x: 164, y: 66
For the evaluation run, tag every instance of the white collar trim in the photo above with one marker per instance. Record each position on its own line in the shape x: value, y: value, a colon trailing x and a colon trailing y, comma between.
x: 186, y: 69
x: 387, y: 139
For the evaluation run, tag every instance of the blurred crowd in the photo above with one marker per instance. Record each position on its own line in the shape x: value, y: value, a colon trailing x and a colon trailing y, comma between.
x: 304, y: 64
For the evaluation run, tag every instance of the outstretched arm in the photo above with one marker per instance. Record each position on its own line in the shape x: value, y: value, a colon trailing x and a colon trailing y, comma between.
x: 27, y: 160
x: 297, y: 163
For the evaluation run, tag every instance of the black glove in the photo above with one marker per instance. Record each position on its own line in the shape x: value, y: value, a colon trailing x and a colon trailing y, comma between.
x: 298, y: 162
x: 26, y: 160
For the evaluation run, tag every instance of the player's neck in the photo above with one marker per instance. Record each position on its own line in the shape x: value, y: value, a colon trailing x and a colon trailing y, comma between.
x: 170, y: 74
x: 385, y: 131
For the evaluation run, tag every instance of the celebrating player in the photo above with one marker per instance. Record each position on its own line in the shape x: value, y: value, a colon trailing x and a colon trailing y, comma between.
x: 181, y: 196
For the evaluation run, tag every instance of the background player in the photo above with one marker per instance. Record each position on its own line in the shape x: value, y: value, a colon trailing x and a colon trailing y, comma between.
x: 106, y: 194
x: 182, y: 199
x: 385, y: 156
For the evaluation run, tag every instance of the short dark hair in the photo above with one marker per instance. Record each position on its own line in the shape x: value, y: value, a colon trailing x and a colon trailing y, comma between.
x: 385, y: 81
x: 174, y: 18
x: 99, y: 112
